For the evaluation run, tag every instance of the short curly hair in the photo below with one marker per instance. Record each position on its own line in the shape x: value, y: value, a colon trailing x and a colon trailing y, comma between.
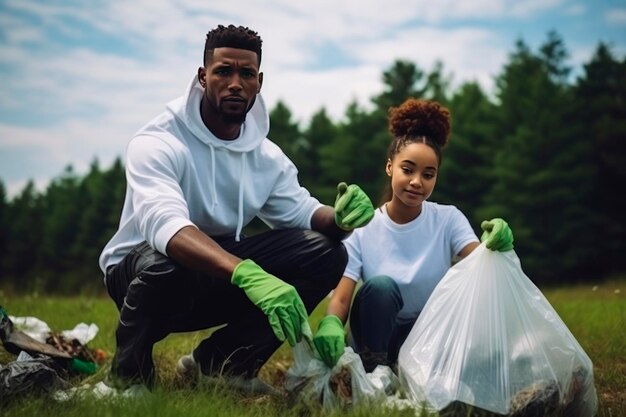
x: 232, y: 36
x: 419, y: 121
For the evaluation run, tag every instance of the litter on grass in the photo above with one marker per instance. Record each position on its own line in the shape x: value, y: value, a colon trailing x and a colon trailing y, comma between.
x: 45, y: 359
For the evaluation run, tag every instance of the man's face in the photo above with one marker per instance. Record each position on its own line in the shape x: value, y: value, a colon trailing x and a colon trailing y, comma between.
x: 232, y: 81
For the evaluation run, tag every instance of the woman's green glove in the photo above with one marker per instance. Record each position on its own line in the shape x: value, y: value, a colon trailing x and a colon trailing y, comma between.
x: 353, y: 208
x: 278, y: 300
x: 497, y: 235
x: 330, y: 339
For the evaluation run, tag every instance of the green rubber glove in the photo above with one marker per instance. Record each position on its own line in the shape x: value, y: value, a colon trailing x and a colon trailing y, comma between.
x: 497, y: 235
x: 330, y: 339
x: 278, y: 300
x: 353, y: 208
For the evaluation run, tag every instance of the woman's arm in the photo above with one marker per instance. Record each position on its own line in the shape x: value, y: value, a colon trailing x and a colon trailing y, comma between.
x: 341, y: 299
x: 469, y: 248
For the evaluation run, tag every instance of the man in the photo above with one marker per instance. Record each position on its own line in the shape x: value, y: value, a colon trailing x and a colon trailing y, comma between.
x: 197, y: 174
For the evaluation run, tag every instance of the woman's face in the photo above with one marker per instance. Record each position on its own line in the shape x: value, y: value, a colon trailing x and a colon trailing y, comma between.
x: 413, y: 173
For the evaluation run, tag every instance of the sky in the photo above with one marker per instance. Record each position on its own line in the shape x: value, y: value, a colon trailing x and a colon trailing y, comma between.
x: 79, y: 78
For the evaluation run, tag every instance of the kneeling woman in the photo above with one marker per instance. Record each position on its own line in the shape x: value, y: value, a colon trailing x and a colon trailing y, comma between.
x: 403, y: 253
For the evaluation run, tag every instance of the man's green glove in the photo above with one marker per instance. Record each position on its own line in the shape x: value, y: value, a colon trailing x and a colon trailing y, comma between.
x: 330, y: 339
x: 497, y: 235
x: 277, y: 299
x: 353, y: 208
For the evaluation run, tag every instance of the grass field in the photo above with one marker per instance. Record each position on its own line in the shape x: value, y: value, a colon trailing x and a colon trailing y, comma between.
x: 594, y: 313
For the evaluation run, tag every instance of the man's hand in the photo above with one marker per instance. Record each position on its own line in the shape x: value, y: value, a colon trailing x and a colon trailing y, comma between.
x: 278, y: 300
x: 497, y: 235
x: 353, y: 207
x: 330, y: 340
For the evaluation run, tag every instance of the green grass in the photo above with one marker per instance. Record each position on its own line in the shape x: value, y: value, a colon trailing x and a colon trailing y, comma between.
x: 597, y: 318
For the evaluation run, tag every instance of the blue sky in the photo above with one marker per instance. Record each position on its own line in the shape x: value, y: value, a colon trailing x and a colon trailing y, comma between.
x: 80, y: 77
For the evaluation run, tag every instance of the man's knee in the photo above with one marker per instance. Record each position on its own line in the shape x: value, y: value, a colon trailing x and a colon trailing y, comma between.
x: 161, y: 288
x: 330, y: 253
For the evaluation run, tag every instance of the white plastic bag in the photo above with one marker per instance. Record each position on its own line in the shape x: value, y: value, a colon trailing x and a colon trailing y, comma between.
x: 488, y: 338
x: 39, y: 329
x: 82, y: 332
x: 346, y: 384
x: 32, y: 326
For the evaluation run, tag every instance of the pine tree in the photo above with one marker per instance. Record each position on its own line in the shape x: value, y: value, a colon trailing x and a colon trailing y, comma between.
x: 539, y: 186
x: 467, y: 163
x: 600, y: 116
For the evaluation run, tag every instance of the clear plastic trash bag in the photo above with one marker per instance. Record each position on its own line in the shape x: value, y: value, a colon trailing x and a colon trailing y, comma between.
x: 487, y: 338
x: 346, y: 384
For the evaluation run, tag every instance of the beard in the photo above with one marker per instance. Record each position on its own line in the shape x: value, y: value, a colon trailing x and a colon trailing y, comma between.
x: 234, y: 118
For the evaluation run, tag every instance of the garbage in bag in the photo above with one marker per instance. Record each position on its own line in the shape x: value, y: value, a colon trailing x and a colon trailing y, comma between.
x: 487, y: 339
x: 30, y: 375
x: 346, y: 384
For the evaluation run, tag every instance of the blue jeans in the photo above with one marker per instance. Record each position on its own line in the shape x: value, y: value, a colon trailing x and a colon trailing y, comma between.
x: 375, y: 330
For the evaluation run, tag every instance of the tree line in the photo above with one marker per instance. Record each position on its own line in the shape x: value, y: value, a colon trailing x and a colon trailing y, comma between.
x: 545, y: 151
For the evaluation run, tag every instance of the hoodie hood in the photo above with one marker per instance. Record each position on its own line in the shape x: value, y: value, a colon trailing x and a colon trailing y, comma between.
x: 253, y: 131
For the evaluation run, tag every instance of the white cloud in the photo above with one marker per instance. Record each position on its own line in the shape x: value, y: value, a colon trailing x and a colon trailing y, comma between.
x: 615, y: 16
x: 471, y: 54
x: 307, y: 92
x: 530, y: 7
x: 576, y: 10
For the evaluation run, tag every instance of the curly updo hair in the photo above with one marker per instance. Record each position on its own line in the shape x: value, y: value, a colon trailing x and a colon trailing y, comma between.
x: 419, y: 121
x: 232, y: 36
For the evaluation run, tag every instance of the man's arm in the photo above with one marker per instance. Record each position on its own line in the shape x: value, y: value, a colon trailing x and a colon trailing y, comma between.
x: 323, y: 221
x: 195, y: 250
x: 278, y: 300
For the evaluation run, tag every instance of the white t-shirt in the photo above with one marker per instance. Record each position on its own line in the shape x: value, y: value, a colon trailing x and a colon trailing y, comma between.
x: 416, y: 254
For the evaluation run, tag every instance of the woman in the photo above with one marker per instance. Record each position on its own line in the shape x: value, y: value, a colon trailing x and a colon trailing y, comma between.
x: 403, y: 253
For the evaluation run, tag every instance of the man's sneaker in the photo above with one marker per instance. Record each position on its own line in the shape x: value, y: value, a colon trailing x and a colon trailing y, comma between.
x: 102, y: 390
x: 189, y: 371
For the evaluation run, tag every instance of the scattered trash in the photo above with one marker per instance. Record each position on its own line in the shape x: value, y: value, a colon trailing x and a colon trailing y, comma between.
x: 101, y: 391
x: 46, y: 359
x: 15, y: 341
x: 30, y: 375
x: 72, y: 347
x: 32, y: 326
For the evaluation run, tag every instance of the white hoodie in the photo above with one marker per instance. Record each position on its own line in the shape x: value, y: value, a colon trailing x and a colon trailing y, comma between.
x: 179, y: 174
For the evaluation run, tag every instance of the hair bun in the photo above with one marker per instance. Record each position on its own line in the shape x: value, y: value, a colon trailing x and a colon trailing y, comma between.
x: 417, y: 117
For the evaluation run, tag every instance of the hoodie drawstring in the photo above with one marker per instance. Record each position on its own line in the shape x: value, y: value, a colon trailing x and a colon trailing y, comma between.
x: 213, y: 186
x: 240, y: 208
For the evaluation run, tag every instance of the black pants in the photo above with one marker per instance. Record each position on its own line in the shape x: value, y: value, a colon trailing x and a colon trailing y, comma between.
x: 156, y: 296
